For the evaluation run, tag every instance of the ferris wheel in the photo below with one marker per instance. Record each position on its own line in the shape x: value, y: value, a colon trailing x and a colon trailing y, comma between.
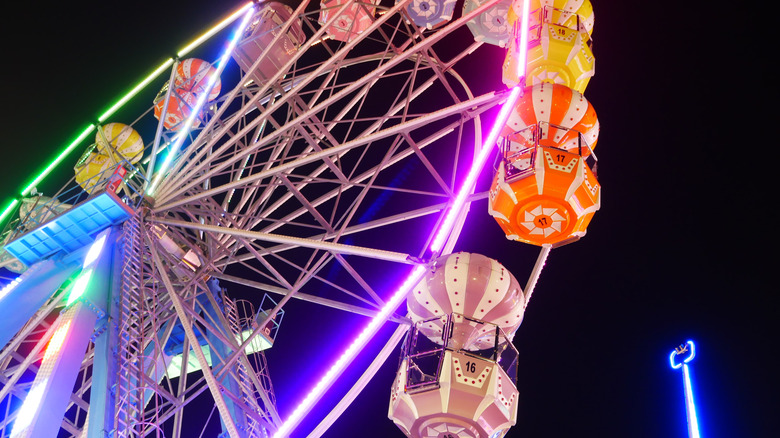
x: 324, y: 155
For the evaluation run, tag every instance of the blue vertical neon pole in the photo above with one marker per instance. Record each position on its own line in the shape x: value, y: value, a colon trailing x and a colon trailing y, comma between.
x: 20, y: 299
x: 42, y: 411
x: 106, y: 339
x: 679, y: 359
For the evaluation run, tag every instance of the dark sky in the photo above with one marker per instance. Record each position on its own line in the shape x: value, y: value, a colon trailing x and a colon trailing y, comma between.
x: 681, y: 248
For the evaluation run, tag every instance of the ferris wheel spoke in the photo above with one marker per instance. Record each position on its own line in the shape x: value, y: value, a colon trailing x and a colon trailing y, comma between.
x: 335, y: 304
x: 213, y: 384
x: 274, y: 274
x: 339, y: 248
x: 174, y: 199
x: 359, y: 279
x: 363, y: 227
x: 287, y: 287
x: 175, y: 180
x: 357, y: 181
x: 266, y: 215
x: 302, y: 199
x: 413, y: 51
x: 424, y: 86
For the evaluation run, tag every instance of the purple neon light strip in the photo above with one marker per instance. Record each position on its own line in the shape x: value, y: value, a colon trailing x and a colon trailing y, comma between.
x: 201, y: 100
x: 490, y: 141
x: 417, y: 273
x: 414, y: 277
x: 476, y: 168
x: 350, y: 353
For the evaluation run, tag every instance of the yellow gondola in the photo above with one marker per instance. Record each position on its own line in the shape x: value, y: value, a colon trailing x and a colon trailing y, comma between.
x: 121, y: 141
x: 92, y: 171
x: 559, y: 45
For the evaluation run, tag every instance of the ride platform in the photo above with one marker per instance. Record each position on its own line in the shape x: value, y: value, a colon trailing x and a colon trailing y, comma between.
x: 70, y: 230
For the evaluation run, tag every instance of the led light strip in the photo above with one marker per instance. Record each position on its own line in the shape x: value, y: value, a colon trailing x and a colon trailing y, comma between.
x: 57, y: 160
x: 15, y: 282
x: 417, y: 273
x: 211, y: 32
x: 88, y: 266
x: 350, y: 353
x: 9, y: 287
x: 690, y: 407
x: 479, y: 161
x: 29, y: 408
x: 141, y: 85
x: 7, y: 210
x: 221, y: 63
x: 521, y: 66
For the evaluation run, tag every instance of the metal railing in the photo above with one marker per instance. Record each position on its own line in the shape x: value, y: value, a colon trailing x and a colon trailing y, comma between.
x: 518, y: 151
x: 429, y: 339
x: 555, y: 18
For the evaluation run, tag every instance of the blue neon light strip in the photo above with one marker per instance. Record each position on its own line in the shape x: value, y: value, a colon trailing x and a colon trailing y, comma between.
x: 221, y: 63
x: 690, y: 407
x: 689, y: 350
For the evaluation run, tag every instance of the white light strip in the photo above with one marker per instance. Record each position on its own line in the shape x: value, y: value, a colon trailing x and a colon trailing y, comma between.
x: 690, y: 407
x: 208, y: 34
x: 522, y: 62
x: 9, y: 287
x: 201, y: 100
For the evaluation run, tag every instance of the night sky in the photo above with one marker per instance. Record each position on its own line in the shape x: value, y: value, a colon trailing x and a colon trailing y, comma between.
x: 681, y: 248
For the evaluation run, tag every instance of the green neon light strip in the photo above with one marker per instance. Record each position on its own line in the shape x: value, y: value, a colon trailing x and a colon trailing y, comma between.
x: 116, y: 106
x: 141, y: 85
x: 79, y: 286
x: 8, y: 209
x: 57, y: 160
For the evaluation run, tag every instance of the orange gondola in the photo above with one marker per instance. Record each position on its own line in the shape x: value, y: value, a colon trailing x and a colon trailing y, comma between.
x: 179, y: 108
x: 193, y: 75
x: 565, y: 115
x: 545, y: 191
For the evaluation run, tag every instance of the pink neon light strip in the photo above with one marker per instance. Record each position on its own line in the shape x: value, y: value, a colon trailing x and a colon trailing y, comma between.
x: 417, y: 273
